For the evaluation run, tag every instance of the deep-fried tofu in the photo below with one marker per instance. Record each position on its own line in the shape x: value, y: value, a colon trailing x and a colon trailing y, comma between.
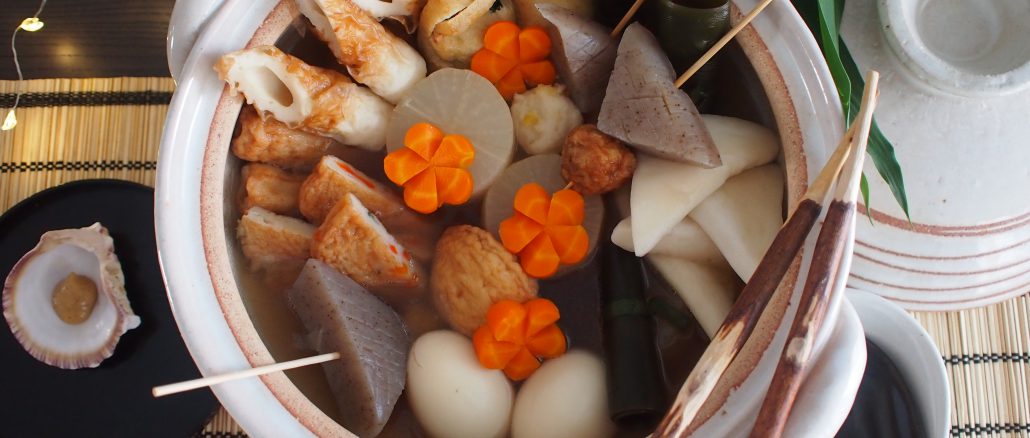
x: 353, y: 241
x: 272, y: 142
x: 272, y: 242
x: 271, y: 188
x: 332, y: 179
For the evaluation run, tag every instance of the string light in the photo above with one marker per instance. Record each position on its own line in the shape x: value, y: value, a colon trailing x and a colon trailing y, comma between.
x: 30, y: 24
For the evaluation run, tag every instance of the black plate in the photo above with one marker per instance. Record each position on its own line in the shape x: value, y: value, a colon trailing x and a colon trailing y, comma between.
x: 38, y: 400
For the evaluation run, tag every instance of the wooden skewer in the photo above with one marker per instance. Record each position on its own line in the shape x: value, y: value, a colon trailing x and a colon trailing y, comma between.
x: 718, y: 44
x: 625, y: 18
x: 817, y: 293
x: 743, y: 316
x: 174, y: 388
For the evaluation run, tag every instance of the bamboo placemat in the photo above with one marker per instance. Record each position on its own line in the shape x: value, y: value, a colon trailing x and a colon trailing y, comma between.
x: 71, y: 129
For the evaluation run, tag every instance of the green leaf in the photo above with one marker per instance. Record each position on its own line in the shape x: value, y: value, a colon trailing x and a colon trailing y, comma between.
x: 823, y: 17
x: 879, y: 148
x: 864, y: 186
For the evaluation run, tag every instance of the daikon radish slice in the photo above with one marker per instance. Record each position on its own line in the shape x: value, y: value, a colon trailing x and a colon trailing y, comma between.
x: 686, y: 240
x: 743, y: 216
x: 708, y: 291
x: 665, y: 191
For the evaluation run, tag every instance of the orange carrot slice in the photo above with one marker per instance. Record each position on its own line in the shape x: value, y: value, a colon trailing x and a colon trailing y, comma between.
x: 540, y: 312
x: 533, y: 201
x: 570, y: 242
x: 455, y: 151
x: 506, y: 319
x: 424, y: 139
x: 502, y: 38
x: 512, y: 57
x: 548, y: 343
x: 492, y: 66
x: 567, y: 208
x: 403, y: 164
x: 420, y: 193
x: 453, y: 186
x: 493, y: 354
x: 534, y: 45
x: 511, y: 84
x: 539, y: 259
x: 521, y: 366
x: 537, y: 73
x: 517, y: 231
x: 431, y: 168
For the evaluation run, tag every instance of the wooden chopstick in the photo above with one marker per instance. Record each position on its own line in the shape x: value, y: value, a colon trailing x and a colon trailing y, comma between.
x: 819, y: 285
x: 744, y: 315
x: 189, y: 385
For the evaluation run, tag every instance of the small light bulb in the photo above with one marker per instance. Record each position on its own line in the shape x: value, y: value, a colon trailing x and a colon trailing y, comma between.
x: 9, y: 122
x: 31, y: 24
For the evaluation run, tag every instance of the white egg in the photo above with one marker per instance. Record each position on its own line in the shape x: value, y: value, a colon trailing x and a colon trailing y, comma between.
x: 566, y: 397
x: 452, y: 395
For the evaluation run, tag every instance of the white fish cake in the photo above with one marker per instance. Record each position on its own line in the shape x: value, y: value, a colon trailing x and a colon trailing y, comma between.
x: 315, y: 99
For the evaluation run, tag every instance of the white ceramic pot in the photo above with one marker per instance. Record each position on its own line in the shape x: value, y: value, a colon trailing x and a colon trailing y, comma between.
x: 227, y: 329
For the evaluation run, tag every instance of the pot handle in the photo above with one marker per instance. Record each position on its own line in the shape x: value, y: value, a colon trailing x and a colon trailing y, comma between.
x: 189, y: 17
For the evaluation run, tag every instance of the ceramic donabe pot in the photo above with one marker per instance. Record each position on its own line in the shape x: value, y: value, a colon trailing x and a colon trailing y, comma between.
x: 228, y: 326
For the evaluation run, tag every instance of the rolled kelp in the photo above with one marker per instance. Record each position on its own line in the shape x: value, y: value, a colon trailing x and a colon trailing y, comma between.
x: 636, y: 392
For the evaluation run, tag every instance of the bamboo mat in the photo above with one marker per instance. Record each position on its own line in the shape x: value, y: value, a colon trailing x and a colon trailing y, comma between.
x: 71, y: 129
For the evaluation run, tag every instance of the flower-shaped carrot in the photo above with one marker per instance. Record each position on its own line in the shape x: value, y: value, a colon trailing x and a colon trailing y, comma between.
x: 516, y: 336
x: 546, y: 230
x: 432, y: 168
x: 511, y: 58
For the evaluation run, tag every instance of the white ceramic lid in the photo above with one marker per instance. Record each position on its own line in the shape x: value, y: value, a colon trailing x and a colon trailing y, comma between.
x: 954, y: 95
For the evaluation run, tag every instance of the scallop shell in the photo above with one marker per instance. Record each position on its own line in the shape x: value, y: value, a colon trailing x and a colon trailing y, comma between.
x: 27, y: 299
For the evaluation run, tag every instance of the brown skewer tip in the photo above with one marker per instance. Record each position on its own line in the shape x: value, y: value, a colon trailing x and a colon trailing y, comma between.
x: 743, y: 316
x: 823, y: 275
x: 719, y: 44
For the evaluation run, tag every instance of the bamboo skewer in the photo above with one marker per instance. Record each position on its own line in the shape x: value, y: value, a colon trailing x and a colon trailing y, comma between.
x: 174, y: 388
x: 744, y: 315
x: 817, y: 292
x: 718, y: 44
x: 625, y: 18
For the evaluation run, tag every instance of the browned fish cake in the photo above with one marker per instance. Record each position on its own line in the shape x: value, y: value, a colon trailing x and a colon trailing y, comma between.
x: 271, y: 188
x: 269, y: 240
x: 332, y: 179
x: 353, y: 241
x: 270, y: 141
